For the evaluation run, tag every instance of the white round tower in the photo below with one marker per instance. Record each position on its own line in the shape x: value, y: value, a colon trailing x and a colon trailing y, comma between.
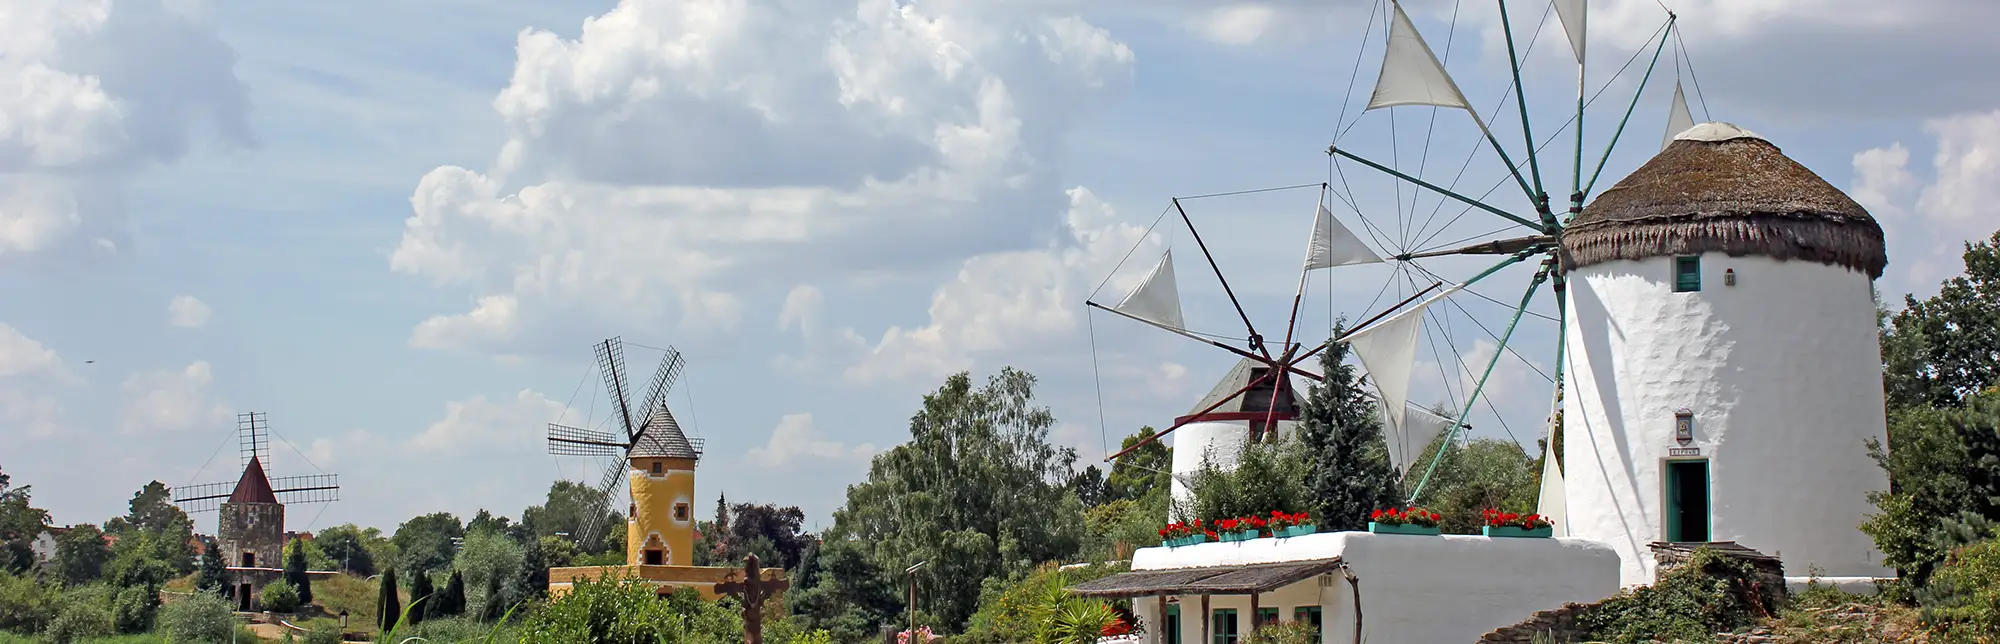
x: 1220, y: 433
x: 1724, y: 372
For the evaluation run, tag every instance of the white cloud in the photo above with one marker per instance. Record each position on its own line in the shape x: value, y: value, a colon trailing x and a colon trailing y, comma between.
x: 510, y: 424
x: 795, y: 440
x: 1010, y: 301
x: 29, y: 372
x: 659, y: 165
x: 187, y: 312
x: 82, y: 107
x: 1927, y: 222
x: 169, y: 401
x: 1236, y: 24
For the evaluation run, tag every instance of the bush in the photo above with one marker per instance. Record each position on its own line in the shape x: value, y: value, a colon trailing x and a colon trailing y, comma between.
x: 201, y: 617
x: 1963, y: 597
x: 1711, y: 593
x: 278, y: 597
x: 324, y: 633
x: 79, y: 621
x: 133, y: 609
x: 1284, y: 633
x: 25, y: 605
x: 625, y: 610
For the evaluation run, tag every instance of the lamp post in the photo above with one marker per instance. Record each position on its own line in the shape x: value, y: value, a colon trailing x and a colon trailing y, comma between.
x: 912, y: 572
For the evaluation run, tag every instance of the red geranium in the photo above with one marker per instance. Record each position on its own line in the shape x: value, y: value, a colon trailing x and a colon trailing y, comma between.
x: 1497, y: 519
x: 1117, y: 627
x: 1406, y: 516
x: 1282, y: 520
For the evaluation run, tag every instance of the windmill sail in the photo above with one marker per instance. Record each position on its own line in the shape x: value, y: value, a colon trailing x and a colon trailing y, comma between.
x: 1411, y: 74
x: 1552, y: 504
x: 1334, y: 245
x: 1572, y: 13
x: 1678, y: 117
x: 1388, y: 350
x: 1420, y: 427
x: 1157, y: 299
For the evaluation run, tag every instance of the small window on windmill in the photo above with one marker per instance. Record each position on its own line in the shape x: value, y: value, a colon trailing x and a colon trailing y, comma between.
x: 656, y: 468
x: 680, y: 511
x: 1687, y: 274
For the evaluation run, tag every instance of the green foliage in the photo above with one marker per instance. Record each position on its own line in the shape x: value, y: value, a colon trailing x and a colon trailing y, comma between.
x: 1348, y: 473
x: 978, y: 492
x: 1267, y: 477
x: 1711, y: 593
x: 25, y: 605
x: 622, y: 611
x: 134, y: 608
x: 1029, y: 607
x: 20, y: 523
x: 213, y: 574
x: 151, y: 509
x: 812, y: 637
x: 451, y: 602
x: 1114, y: 529
x: 295, y: 571
x: 201, y: 617
x: 1944, y: 479
x: 1963, y: 596
x: 347, y: 546
x: 425, y: 543
x: 1941, y: 350
x: 1284, y: 633
x: 279, y: 597
x: 423, y: 600
x: 81, y: 555
x: 79, y: 621
x: 1138, y: 473
x: 494, y: 602
x: 565, y: 509
x: 324, y: 633
x: 388, y: 604
x: 1475, y: 475
x: 1078, y: 621
x: 491, y: 563
x: 775, y: 534
x: 842, y: 590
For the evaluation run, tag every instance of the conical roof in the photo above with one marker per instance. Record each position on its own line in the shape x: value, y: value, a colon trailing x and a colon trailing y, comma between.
x: 254, y: 487
x: 662, y: 438
x: 1257, y: 401
x: 1720, y: 188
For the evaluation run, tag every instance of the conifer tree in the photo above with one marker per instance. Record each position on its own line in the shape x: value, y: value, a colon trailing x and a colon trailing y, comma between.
x: 389, y: 607
x: 295, y: 572
x: 495, y: 603
x: 214, y: 575
x: 1349, y: 474
x: 452, y: 601
x: 423, y: 600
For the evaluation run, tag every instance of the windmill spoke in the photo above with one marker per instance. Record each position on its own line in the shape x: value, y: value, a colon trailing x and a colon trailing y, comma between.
x: 1256, y: 341
x: 611, y: 361
x: 1541, y: 275
x: 1668, y: 32
x: 1435, y: 188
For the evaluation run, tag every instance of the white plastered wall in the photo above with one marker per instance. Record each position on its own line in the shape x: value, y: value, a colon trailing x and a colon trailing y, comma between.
x: 1413, y: 588
x: 1782, y: 373
x: 1222, y: 440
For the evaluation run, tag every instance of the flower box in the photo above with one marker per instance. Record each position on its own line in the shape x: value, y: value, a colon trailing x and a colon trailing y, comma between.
x: 1189, y: 540
x: 1404, y: 528
x: 1239, y: 535
x: 1297, y: 530
x: 1517, y: 532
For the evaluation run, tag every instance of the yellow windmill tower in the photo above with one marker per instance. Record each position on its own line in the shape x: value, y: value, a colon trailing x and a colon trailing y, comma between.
x: 659, y: 530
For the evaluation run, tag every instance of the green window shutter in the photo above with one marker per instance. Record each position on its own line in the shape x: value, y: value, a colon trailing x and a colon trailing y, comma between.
x: 1687, y: 274
x: 1225, y: 626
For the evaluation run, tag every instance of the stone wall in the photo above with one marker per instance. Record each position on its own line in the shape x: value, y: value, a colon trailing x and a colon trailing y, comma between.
x: 1559, y: 625
x: 257, y: 528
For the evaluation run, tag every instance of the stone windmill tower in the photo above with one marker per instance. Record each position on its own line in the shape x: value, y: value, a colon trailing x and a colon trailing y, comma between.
x: 1724, y: 359
x: 250, y: 532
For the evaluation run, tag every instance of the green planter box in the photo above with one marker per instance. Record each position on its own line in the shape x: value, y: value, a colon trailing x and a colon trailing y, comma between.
x: 1297, y: 530
x: 1517, y: 533
x: 1239, y: 535
x: 1406, y: 528
x: 1186, y: 541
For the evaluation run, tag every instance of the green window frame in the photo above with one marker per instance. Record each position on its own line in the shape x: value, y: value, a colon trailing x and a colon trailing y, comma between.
x: 1173, y: 624
x: 1265, y: 617
x: 1224, y: 628
x: 1308, y: 615
x: 1687, y: 274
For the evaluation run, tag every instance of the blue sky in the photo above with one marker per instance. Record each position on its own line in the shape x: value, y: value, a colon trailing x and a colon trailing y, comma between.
x: 397, y: 228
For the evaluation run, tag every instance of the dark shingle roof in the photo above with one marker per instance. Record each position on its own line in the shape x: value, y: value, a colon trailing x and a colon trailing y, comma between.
x: 1214, y: 580
x: 662, y: 438
x: 254, y: 487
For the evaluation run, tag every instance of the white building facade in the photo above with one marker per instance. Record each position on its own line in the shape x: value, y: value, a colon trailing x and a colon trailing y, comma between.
x: 1723, y: 360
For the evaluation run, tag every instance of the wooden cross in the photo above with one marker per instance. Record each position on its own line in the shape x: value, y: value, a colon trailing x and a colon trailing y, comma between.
x: 754, y: 589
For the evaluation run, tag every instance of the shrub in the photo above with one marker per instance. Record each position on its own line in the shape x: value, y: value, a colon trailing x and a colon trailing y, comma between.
x: 1710, y: 593
x: 625, y: 610
x: 201, y: 617
x: 133, y: 609
x: 1284, y: 633
x: 279, y: 597
x: 24, y: 604
x: 1963, y: 597
x: 79, y: 621
x: 812, y: 637
x: 324, y: 633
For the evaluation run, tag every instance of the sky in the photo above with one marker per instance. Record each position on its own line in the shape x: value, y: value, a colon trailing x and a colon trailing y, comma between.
x: 398, y: 228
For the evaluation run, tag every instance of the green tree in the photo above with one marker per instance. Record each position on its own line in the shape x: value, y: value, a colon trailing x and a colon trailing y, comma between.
x: 1943, y: 463
x: 81, y: 555
x: 1940, y: 350
x: 425, y: 542
x: 279, y: 597
x: 1090, y: 487
x: 564, y: 510
x: 1140, y: 471
x: 388, y: 605
x: 977, y: 492
x: 214, y: 577
x: 151, y: 508
x: 493, y: 601
x: 20, y: 523
x: 533, y: 580
x: 148, y: 556
x: 347, y: 547
x: 295, y: 571
x: 844, y: 591
x: 1265, y: 477
x: 489, y: 560
x: 423, y: 600
x: 451, y: 602
x: 1348, y: 474
x: 1475, y: 475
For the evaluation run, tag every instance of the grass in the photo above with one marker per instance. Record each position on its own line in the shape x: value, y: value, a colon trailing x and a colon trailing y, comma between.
x: 353, y: 594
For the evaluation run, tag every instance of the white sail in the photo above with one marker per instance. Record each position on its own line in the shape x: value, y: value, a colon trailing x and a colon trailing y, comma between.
x: 1334, y: 245
x: 1678, y: 117
x: 1552, y: 504
x: 1572, y: 14
x: 1388, y: 350
x: 1411, y: 74
x: 1420, y: 427
x: 1157, y: 299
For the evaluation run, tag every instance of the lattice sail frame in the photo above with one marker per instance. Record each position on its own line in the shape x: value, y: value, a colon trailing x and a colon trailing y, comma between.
x: 564, y: 440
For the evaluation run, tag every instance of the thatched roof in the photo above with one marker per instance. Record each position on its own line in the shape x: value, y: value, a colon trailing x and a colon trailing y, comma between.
x: 1719, y: 188
x: 1214, y: 580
